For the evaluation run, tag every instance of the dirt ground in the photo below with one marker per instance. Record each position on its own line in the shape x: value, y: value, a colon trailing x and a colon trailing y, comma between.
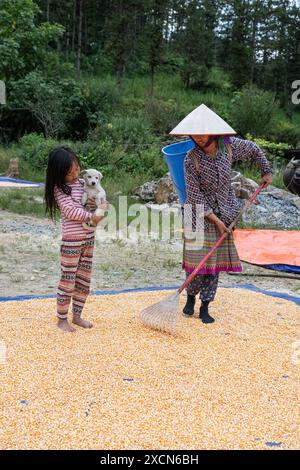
x: 29, y: 263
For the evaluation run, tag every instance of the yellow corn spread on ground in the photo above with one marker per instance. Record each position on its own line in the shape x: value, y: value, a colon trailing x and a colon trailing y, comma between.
x: 231, y: 385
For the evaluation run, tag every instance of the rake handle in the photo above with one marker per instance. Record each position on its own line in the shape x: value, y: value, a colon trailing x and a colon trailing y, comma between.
x: 218, y: 242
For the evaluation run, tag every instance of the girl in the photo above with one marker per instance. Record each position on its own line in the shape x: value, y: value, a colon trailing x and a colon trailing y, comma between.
x: 63, y: 191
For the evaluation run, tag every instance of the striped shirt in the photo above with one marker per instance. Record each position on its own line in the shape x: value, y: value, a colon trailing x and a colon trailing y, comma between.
x: 211, y: 185
x: 72, y: 211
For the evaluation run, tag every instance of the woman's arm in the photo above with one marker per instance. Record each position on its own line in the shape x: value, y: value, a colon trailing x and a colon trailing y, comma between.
x: 248, y: 151
x: 194, y: 193
x: 67, y: 207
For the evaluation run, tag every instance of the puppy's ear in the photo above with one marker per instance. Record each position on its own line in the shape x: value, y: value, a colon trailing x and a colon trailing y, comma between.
x: 100, y: 175
x: 83, y: 172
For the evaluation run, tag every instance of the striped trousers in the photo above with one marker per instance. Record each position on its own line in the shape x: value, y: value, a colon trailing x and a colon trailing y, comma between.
x: 76, y: 270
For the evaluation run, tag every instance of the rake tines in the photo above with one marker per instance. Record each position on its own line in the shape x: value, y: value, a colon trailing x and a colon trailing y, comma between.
x: 162, y: 315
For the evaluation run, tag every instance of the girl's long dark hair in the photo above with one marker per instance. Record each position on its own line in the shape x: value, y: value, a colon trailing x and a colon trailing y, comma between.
x: 60, y: 161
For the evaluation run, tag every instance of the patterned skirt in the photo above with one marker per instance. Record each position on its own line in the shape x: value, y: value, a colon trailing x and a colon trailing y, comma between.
x: 224, y: 258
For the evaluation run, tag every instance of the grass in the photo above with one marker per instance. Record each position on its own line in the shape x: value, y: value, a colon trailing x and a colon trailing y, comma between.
x: 22, y: 201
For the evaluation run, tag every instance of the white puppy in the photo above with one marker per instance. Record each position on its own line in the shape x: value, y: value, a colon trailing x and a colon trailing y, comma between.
x: 93, y: 189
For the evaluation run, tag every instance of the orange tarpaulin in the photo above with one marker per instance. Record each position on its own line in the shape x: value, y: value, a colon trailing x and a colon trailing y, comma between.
x: 268, y: 246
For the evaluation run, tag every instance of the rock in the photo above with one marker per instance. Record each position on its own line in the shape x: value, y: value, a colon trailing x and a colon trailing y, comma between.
x: 274, y: 207
x: 165, y: 191
x: 237, y: 186
x: 146, y: 191
x: 273, y: 212
x: 161, y: 191
x: 279, y: 193
x: 243, y: 187
x: 296, y: 202
x: 13, y: 169
x: 38, y: 199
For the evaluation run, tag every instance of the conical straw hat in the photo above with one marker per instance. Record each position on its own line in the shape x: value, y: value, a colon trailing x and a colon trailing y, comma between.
x: 202, y: 121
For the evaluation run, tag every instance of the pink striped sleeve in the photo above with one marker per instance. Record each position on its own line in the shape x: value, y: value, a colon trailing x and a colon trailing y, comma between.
x: 67, y: 207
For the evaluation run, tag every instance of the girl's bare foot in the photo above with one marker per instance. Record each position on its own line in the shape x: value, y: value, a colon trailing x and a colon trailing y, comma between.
x: 65, y: 326
x: 81, y: 322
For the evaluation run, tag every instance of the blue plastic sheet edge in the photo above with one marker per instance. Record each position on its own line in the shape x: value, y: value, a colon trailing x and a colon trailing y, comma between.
x: 13, y: 180
x: 285, y: 268
x: 279, y: 295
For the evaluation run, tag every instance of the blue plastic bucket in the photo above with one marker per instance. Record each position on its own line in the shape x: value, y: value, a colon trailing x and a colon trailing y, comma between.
x: 174, y: 155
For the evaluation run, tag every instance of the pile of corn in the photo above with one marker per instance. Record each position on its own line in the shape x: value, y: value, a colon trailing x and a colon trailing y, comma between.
x: 230, y: 385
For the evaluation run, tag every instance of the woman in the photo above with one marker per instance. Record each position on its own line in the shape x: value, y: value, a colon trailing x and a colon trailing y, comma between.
x: 207, y: 171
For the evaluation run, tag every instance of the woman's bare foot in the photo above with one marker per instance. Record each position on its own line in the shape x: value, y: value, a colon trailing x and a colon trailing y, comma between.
x: 81, y: 322
x: 65, y: 326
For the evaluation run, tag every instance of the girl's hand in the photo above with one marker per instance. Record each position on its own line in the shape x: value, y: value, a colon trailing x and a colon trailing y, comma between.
x: 92, y: 204
x: 96, y: 218
x: 267, y: 178
x: 104, y: 206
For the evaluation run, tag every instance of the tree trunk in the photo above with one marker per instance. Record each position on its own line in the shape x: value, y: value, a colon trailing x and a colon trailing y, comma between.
x: 74, y: 25
x: 152, y: 71
x: 78, y: 62
x: 68, y: 38
x: 253, y: 42
x: 85, y: 33
x: 48, y: 10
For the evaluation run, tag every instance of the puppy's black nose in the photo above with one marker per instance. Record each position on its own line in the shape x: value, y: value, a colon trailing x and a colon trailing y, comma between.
x: 93, y: 183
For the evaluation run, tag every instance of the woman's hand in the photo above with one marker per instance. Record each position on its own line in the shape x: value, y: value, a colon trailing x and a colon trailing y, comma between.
x: 218, y: 223
x: 267, y: 178
x: 222, y: 227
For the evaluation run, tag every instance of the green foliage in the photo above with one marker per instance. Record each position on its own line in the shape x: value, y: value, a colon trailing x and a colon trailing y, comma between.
x: 113, y: 156
x: 23, y: 43
x: 122, y: 130
x: 194, y: 75
x: 89, y: 103
x: 285, y: 131
x: 161, y: 114
x: 218, y: 80
x: 127, y: 130
x: 253, y: 110
x: 275, y: 153
x: 101, y: 94
x: 274, y: 150
x: 43, y: 98
x: 34, y: 149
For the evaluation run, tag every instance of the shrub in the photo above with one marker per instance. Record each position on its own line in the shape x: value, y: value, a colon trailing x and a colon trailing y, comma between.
x: 89, y: 103
x: 162, y: 115
x: 96, y: 154
x: 34, y: 149
x: 123, y: 130
x: 275, y: 150
x: 285, y: 131
x: 218, y: 80
x: 252, y: 110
